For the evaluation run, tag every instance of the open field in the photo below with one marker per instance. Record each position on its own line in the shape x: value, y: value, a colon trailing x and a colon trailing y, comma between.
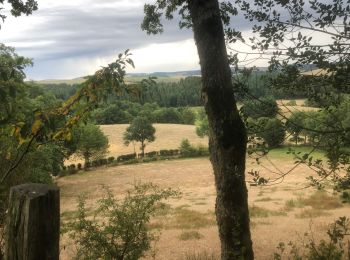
x: 128, y: 79
x: 168, y: 136
x: 281, y: 212
x: 286, y: 110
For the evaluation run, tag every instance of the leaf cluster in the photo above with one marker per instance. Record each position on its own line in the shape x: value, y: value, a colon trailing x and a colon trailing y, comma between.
x: 118, y: 228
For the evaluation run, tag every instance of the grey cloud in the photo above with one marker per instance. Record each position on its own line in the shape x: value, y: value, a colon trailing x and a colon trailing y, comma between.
x: 81, y: 32
x: 95, y: 29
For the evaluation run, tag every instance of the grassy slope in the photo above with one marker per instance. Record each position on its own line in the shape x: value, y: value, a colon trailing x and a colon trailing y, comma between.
x: 168, y: 136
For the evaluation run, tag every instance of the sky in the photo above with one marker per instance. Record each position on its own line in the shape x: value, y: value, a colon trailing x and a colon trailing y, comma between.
x: 72, y: 38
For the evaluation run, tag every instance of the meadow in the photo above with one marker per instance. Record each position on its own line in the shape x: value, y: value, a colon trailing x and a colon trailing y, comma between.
x: 281, y: 212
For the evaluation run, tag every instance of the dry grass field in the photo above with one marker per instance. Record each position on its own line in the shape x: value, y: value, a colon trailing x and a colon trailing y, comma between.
x: 282, y: 212
x: 168, y: 136
x: 286, y: 109
x: 279, y: 213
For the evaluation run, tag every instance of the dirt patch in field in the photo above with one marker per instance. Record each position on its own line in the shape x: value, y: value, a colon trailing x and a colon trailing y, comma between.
x: 274, y: 217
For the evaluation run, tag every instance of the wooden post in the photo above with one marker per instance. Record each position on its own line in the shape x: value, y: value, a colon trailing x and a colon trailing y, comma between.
x: 33, y: 223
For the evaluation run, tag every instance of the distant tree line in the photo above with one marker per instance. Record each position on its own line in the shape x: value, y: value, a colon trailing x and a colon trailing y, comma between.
x: 123, y: 112
x: 185, y: 92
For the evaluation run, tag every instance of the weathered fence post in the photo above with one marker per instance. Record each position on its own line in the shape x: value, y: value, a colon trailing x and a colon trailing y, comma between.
x: 33, y: 223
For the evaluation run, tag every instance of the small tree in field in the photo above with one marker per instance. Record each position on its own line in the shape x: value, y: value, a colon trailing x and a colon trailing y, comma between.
x: 90, y: 142
x: 140, y: 130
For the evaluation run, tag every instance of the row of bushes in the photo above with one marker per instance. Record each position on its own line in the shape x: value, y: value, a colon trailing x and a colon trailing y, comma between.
x: 153, y: 154
x: 186, y: 150
x: 74, y: 168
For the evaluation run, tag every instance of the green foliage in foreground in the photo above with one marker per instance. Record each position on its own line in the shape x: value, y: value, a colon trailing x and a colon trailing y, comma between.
x: 118, y: 229
x: 335, y: 248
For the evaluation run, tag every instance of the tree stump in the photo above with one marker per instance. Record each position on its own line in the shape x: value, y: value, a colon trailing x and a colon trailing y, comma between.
x: 33, y: 223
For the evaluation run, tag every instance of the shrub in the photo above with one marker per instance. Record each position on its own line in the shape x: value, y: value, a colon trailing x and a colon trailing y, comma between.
x: 188, y: 116
x: 103, y: 161
x: 87, y: 165
x: 110, y: 159
x: 132, y: 161
x: 334, y: 248
x: 150, y: 159
x: 202, y: 150
x: 79, y: 166
x: 126, y: 157
x: 71, y: 169
x: 170, y: 152
x: 265, y: 107
x: 187, y: 150
x: 151, y: 154
x: 95, y: 163
x: 271, y: 130
x: 124, y: 233
x: 202, y: 124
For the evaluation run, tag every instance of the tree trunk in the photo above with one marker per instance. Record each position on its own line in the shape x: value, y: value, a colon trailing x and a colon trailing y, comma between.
x: 86, y: 158
x: 227, y: 133
x: 142, y: 149
x: 33, y: 223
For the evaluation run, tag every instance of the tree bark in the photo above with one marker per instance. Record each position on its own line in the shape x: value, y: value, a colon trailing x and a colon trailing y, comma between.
x: 33, y: 223
x: 142, y: 149
x: 227, y: 133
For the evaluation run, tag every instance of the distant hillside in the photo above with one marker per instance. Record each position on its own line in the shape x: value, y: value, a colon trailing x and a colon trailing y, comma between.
x: 174, y: 76
x: 185, y: 73
x: 132, y: 77
x: 61, y: 81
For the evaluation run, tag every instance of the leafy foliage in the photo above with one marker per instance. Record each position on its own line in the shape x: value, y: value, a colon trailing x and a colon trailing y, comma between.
x: 295, y: 124
x: 140, y: 130
x: 264, y: 107
x: 202, y: 124
x: 90, y: 142
x: 118, y: 229
x: 271, y: 130
x: 18, y: 7
x: 334, y: 248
